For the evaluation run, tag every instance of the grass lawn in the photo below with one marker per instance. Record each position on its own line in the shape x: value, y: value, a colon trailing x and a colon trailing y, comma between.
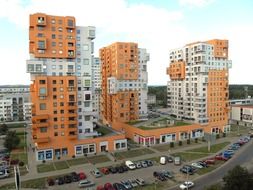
x: 60, y: 165
x: 98, y: 159
x: 152, y: 127
x: 39, y: 183
x: 22, y: 142
x: 187, y: 156
x: 214, y: 148
x: 47, y: 167
x: 132, y: 153
x: 22, y: 156
x: 181, y: 123
x: 103, y: 130
x: 77, y: 161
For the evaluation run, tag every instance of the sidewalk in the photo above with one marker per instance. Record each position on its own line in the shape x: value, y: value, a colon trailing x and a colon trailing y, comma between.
x: 33, y: 174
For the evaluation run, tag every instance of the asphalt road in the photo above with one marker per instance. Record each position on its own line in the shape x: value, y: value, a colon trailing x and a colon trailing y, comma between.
x: 243, y: 156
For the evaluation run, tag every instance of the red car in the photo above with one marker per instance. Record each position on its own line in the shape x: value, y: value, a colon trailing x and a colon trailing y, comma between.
x: 220, y: 157
x: 105, y: 171
x: 82, y: 175
x: 100, y: 187
x: 109, y: 186
x: 209, y: 161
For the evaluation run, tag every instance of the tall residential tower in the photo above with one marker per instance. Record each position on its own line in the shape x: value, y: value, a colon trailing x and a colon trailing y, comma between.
x: 124, y: 82
x: 198, y: 89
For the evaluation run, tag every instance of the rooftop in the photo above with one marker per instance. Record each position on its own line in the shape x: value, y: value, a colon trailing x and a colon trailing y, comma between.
x: 243, y: 106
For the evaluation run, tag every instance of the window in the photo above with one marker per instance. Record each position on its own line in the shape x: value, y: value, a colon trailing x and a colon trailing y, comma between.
x: 42, y: 82
x: 53, y: 21
x: 78, y: 32
x: 70, y: 23
x: 62, y: 134
x: 59, y: 21
x: 55, y: 119
x: 61, y: 103
x: 55, y: 134
x: 86, y: 61
x: 43, y: 106
x: 87, y: 83
x: 86, y: 104
x: 41, y: 44
x: 53, y: 28
x: 43, y: 129
x: 87, y: 118
x: 53, y: 67
x: 60, y: 29
x: 53, y: 44
x: 53, y: 36
x: 54, y: 89
x: 60, y: 67
x: 43, y: 91
x: 87, y: 97
x: 54, y: 81
x: 85, y: 47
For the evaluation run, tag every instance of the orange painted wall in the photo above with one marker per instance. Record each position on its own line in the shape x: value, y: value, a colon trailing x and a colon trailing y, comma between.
x: 119, y: 60
x: 59, y: 109
x: 220, y: 47
x: 55, y: 32
x: 217, y: 98
x: 176, y: 70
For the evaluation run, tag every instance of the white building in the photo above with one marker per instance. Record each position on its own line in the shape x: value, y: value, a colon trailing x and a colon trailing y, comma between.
x: 242, y: 115
x: 96, y: 86
x: 12, y: 101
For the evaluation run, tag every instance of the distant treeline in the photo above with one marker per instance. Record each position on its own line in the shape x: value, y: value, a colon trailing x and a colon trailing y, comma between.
x: 235, y: 92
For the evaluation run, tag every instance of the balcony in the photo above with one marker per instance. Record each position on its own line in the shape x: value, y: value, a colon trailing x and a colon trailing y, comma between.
x: 36, y: 118
x: 42, y: 140
x: 39, y: 125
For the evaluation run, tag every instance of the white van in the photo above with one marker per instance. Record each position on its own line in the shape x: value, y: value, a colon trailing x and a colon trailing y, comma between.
x: 130, y: 165
x: 177, y: 160
x: 163, y: 160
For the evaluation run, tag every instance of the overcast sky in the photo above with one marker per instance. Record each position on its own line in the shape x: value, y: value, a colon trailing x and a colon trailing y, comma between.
x: 157, y: 25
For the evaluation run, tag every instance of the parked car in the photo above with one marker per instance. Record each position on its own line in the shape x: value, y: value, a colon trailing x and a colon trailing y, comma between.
x: 74, y: 176
x: 50, y: 182
x: 233, y: 147
x: 150, y: 162
x: 167, y: 174
x: 119, y: 186
x: 177, y: 160
x: 140, y: 181
x: 85, y: 183
x: 197, y: 165
x: 130, y: 165
x: 96, y: 173
x: 210, y: 161
x: 186, y: 185
x: 100, y: 187
x: 108, y: 186
x: 105, y: 171
x: 144, y: 164
x: 221, y: 157
x: 133, y: 183
x: 112, y: 170
x: 170, y: 159
x: 125, y: 168
x: 120, y: 169
x: 187, y: 170
x: 67, y: 179
x: 82, y: 176
x: 202, y: 163
x: 163, y: 160
x: 4, y: 173
x: 138, y: 165
x: 126, y: 184
x: 60, y: 181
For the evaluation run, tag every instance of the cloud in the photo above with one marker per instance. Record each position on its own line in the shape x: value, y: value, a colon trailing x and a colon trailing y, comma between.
x: 153, y: 28
x: 195, y: 3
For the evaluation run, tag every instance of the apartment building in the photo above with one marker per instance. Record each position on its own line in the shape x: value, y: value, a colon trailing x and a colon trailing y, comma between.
x: 12, y: 102
x: 242, y: 115
x: 124, y: 82
x: 96, y: 86
x: 60, y: 67
x: 198, y: 86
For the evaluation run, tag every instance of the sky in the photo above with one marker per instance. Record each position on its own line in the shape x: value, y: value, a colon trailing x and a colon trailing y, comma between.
x: 157, y: 25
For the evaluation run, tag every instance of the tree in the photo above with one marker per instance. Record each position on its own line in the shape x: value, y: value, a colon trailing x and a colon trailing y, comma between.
x: 238, y: 179
x: 3, y: 129
x: 11, y: 140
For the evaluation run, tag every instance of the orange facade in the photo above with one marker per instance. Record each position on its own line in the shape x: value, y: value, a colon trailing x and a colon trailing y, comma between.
x: 120, y: 62
x: 217, y: 98
x: 52, y: 36
x: 54, y: 109
x: 176, y: 71
x: 220, y: 48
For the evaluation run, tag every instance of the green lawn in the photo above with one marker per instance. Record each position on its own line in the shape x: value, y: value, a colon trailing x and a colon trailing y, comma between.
x: 77, y: 161
x: 39, y: 183
x: 16, y: 125
x: 60, y: 165
x: 214, y: 148
x: 152, y: 127
x: 47, y: 167
x: 132, y: 153
x: 22, y: 156
x: 181, y: 123
x: 98, y: 159
x: 187, y: 156
x: 103, y: 130
x: 22, y: 142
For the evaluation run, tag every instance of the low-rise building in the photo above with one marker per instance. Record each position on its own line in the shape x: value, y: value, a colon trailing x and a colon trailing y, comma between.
x: 242, y: 115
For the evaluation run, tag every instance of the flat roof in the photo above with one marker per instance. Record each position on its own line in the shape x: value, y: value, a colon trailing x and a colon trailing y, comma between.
x: 243, y: 106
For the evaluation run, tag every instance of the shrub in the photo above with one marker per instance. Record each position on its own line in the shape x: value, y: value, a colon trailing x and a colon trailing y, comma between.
x: 171, y: 144
x: 188, y: 141
x: 43, y: 161
x: 217, y: 136
x: 196, y: 140
x: 58, y: 157
x: 73, y: 156
x: 21, y: 163
x: 203, y: 139
x: 180, y: 143
x: 224, y: 134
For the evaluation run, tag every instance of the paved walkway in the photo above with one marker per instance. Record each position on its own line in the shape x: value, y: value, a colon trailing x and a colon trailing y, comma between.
x: 89, y: 167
